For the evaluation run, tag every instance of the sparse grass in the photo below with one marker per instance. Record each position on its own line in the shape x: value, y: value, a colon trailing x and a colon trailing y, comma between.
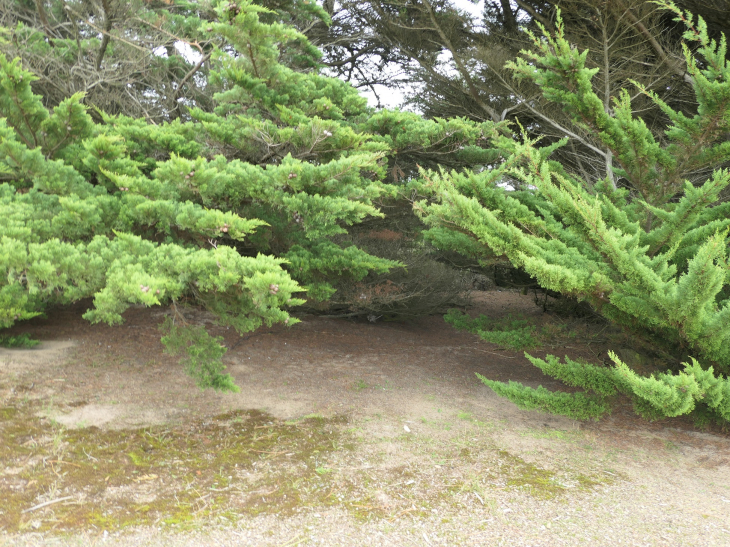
x: 569, y: 436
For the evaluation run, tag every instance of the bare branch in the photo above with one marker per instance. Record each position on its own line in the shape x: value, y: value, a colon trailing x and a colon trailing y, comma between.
x: 44, y: 20
x: 673, y: 64
x: 176, y: 109
x: 104, y: 32
x: 460, y: 65
x: 529, y: 9
x: 106, y: 8
x: 607, y: 95
x: 159, y: 28
x: 253, y: 60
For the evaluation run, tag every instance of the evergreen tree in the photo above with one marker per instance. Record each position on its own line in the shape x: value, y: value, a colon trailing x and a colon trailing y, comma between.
x: 241, y: 205
x: 67, y: 234
x: 132, y: 212
x: 651, y: 256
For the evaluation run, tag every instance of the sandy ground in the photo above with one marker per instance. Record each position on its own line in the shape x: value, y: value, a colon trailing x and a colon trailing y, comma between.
x: 433, y: 456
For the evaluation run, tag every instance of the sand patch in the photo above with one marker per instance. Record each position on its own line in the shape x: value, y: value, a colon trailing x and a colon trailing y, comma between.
x: 109, y: 416
x: 44, y: 354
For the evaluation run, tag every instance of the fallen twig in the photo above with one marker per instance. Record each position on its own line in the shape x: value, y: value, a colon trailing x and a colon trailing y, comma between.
x: 487, y: 351
x: 46, y: 503
x: 296, y: 540
x: 61, y: 461
x: 403, y: 512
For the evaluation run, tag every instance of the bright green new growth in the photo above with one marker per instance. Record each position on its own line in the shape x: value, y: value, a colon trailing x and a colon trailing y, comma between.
x: 578, y: 406
x: 651, y: 256
x: 600, y: 380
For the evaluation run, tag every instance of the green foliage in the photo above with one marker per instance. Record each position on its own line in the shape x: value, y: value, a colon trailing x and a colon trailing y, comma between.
x: 514, y: 333
x: 694, y: 390
x: 414, y: 142
x: 670, y: 395
x: 202, y: 355
x: 18, y: 341
x: 240, y: 200
x: 600, y: 380
x: 228, y: 209
x: 578, y: 406
x: 652, y: 255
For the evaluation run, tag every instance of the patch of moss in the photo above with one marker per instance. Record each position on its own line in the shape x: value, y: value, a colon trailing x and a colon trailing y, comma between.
x: 7, y: 412
x: 590, y: 482
x: 233, y: 464
x: 240, y: 463
x: 542, y: 483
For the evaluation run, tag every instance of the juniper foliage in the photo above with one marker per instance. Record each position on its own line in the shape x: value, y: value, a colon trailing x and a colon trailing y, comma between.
x: 18, y: 341
x: 650, y: 255
x: 657, y: 396
x: 133, y: 213
x: 241, y: 202
x: 513, y: 332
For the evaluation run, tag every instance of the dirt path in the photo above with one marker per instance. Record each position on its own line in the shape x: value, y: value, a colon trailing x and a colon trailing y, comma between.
x: 344, y: 433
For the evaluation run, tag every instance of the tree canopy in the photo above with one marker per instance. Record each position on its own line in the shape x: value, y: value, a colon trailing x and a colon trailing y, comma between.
x: 240, y: 204
x: 451, y: 62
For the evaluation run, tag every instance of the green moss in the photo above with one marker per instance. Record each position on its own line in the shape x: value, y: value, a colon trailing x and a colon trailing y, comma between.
x: 539, y: 482
x: 7, y: 413
x: 180, y: 476
x: 232, y: 465
x: 591, y: 482
x: 543, y: 483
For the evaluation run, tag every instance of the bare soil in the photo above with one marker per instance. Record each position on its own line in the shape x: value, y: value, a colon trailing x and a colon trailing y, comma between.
x: 345, y: 432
